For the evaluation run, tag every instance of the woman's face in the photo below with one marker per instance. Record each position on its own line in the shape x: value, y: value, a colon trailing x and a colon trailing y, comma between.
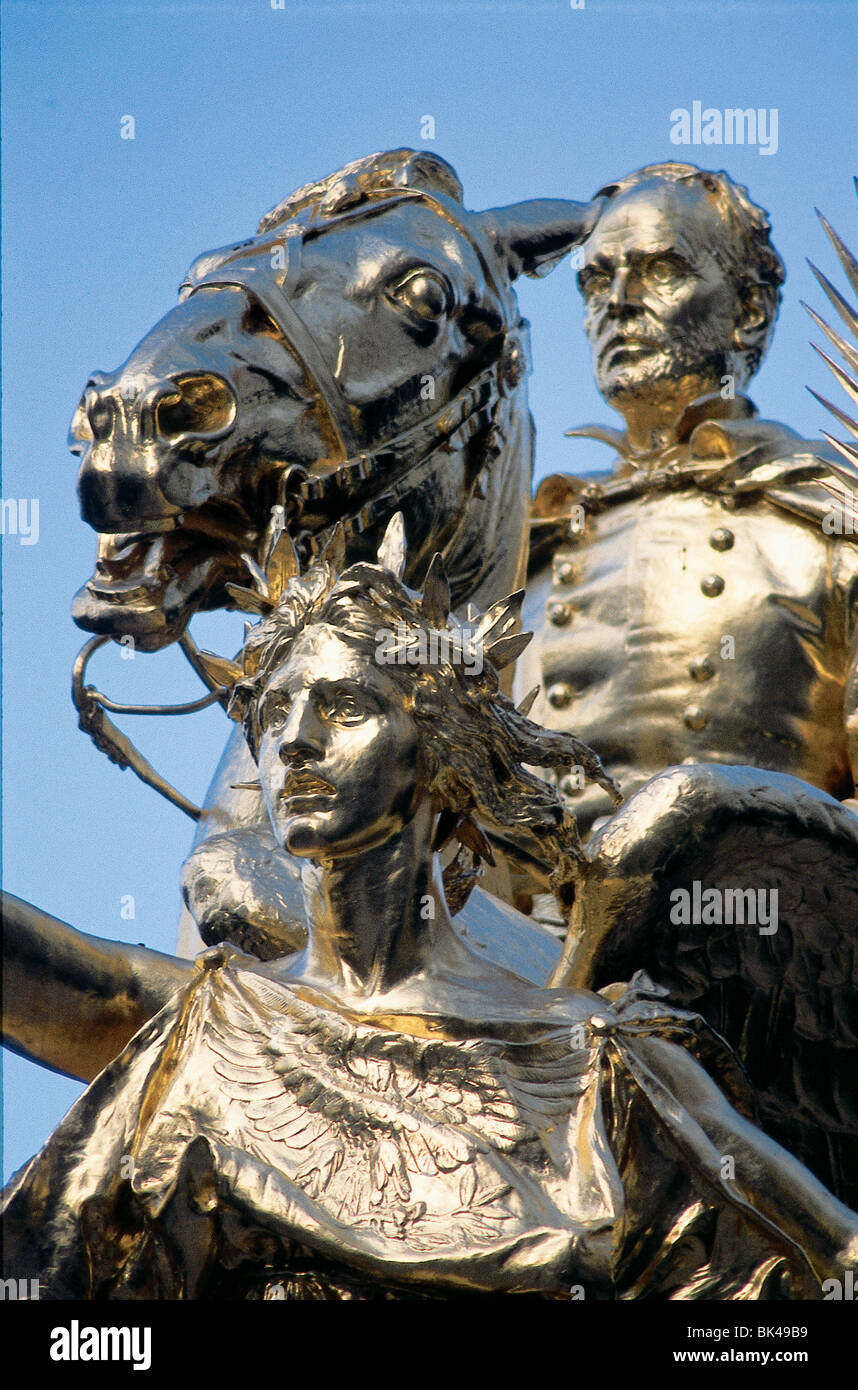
x: 338, y: 757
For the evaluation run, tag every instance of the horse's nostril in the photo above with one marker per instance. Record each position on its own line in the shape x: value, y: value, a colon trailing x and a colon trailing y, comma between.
x: 200, y: 406
x: 100, y: 413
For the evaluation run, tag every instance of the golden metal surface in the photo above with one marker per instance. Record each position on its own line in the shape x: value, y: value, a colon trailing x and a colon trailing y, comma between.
x: 72, y: 1001
x: 701, y: 556
x: 384, y: 1113
x: 362, y: 352
x: 383, y: 1099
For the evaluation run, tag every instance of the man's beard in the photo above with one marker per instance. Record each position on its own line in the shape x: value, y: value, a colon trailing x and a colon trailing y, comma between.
x: 657, y: 375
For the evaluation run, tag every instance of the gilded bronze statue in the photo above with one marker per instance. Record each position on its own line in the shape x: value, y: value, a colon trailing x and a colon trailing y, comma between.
x: 698, y: 601
x: 700, y: 609
x: 381, y: 1079
x: 363, y: 351
x: 386, y: 1114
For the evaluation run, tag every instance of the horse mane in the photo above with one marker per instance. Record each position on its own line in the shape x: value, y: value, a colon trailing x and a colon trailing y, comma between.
x: 478, y: 557
x: 477, y: 560
x: 375, y: 173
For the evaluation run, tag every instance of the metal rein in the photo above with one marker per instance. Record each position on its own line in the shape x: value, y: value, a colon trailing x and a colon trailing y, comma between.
x: 92, y: 705
x: 471, y: 409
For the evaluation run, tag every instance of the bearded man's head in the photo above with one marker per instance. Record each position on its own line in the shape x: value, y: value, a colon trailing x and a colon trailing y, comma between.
x: 681, y: 285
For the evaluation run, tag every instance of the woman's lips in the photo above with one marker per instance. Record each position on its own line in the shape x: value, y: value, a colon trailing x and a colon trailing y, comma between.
x: 301, y: 785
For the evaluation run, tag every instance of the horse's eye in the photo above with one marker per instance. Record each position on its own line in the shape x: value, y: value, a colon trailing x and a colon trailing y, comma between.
x: 424, y: 293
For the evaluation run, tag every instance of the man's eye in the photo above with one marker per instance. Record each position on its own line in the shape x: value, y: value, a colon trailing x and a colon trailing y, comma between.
x: 424, y: 293
x: 594, y: 282
x: 662, y: 270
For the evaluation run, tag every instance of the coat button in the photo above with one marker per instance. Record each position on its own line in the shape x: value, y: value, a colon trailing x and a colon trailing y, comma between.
x: 722, y: 539
x: 559, y: 695
x: 701, y: 668
x: 565, y: 571
x: 695, y: 717
x: 712, y: 585
x: 559, y: 613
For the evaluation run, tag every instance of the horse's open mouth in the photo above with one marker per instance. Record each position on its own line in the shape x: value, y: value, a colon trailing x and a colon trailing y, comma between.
x: 148, y: 584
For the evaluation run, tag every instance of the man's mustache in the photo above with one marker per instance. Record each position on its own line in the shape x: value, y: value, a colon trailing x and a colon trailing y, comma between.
x: 632, y: 336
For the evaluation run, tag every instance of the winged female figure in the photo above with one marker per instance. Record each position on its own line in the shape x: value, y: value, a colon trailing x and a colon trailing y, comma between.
x: 384, y: 1114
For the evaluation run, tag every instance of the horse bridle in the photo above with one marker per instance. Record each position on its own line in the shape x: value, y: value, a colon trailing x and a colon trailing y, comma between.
x: 403, y: 460
x: 400, y: 461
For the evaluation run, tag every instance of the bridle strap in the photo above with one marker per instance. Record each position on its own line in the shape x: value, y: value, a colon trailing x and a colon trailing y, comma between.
x: 246, y: 273
x: 471, y: 410
x: 405, y: 463
x: 249, y: 267
x: 405, y: 458
x: 449, y: 427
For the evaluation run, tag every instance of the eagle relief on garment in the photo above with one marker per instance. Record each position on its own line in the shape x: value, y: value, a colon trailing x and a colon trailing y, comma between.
x: 383, y: 1114
x: 364, y: 1096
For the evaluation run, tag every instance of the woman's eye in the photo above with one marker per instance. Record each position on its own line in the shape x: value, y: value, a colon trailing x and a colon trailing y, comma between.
x: 423, y: 293
x: 274, y: 714
x: 344, y: 707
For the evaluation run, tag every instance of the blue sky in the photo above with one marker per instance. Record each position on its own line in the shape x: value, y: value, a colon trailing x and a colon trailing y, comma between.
x: 235, y: 104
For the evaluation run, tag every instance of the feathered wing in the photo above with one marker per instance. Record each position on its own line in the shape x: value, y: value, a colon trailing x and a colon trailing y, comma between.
x: 844, y: 485
x: 785, y: 999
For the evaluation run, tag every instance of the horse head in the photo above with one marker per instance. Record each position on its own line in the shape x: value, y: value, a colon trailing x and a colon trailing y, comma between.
x: 362, y: 352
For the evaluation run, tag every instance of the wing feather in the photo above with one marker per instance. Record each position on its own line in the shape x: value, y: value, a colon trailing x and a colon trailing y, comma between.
x: 786, y: 1001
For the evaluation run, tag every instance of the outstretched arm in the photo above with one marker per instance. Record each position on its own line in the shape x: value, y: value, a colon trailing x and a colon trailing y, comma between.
x: 72, y: 1001
x: 781, y: 1189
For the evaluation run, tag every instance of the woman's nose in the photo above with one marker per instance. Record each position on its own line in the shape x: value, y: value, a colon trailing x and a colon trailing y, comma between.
x: 301, y: 732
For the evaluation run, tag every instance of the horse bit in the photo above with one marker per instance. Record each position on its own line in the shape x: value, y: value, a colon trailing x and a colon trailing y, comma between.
x: 479, y: 406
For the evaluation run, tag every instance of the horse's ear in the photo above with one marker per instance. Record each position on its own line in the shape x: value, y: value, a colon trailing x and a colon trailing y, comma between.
x: 532, y: 237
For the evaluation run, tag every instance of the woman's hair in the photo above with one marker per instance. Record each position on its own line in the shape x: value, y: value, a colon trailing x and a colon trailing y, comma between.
x: 477, y: 748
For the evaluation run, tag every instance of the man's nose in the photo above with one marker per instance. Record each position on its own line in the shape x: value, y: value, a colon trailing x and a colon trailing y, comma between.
x: 302, y: 732
x: 618, y: 298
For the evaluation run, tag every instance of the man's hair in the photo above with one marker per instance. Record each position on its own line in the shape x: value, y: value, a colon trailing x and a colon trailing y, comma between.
x: 476, y: 746
x: 746, y: 251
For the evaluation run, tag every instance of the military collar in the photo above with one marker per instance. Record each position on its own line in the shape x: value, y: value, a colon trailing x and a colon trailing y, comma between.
x: 709, y: 427
x: 720, y: 447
